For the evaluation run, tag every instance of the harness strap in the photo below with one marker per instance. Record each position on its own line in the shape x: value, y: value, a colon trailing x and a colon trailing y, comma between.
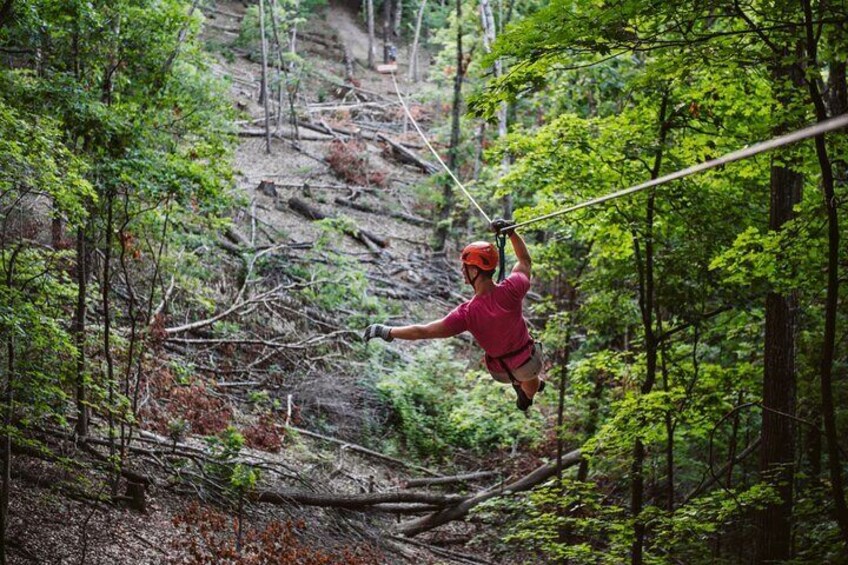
x: 500, y: 359
x: 500, y: 240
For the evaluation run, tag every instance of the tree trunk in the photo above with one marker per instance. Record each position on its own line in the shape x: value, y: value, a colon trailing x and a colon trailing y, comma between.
x: 446, y: 207
x: 369, y: 6
x: 264, y: 93
x: 5, y: 12
x: 832, y: 297
x: 397, y: 18
x: 8, y: 402
x: 387, y: 23
x: 413, y: 58
x: 460, y: 510
x: 778, y: 431
x: 669, y: 429
x: 487, y: 20
x: 107, y: 332
x: 646, y: 307
x: 293, y: 36
x: 8, y: 406
x: 79, y: 333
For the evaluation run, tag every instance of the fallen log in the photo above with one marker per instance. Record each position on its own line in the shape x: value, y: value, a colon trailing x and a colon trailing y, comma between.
x: 285, y: 134
x: 441, y: 552
x: 225, y: 29
x: 236, y: 237
x: 460, y: 509
x: 363, y: 450
x: 412, y: 483
x: 328, y: 42
x: 404, y: 155
x: 404, y: 508
x: 366, y: 238
x: 352, y: 501
x: 222, y: 12
x: 346, y: 202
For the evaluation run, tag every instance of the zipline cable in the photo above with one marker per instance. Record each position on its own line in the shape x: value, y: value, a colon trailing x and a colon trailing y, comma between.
x: 435, y: 154
x: 799, y: 135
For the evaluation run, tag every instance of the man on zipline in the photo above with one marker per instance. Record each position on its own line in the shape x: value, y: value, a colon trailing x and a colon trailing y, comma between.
x: 493, y: 316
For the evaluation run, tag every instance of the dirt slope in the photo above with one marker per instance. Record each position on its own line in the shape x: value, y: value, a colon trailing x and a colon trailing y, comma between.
x: 50, y: 528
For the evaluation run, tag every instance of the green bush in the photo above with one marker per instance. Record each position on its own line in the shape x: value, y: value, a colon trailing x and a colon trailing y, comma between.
x: 439, y: 405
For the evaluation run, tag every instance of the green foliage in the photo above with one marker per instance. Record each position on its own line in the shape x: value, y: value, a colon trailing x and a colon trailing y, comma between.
x: 339, y: 280
x: 575, y: 522
x: 227, y: 475
x: 439, y: 406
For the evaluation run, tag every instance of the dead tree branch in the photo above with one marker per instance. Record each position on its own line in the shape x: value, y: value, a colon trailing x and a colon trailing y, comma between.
x: 460, y: 510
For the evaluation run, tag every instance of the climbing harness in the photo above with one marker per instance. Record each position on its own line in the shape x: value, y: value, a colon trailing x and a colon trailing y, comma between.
x: 501, y: 359
x: 799, y: 135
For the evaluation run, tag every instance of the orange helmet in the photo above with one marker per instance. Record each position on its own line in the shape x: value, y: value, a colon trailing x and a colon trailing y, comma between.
x: 481, y: 254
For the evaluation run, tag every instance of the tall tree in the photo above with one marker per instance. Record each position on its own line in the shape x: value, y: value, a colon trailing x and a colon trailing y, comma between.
x: 369, y: 16
x: 813, y: 79
x: 447, y: 204
x: 487, y: 20
x: 413, y: 58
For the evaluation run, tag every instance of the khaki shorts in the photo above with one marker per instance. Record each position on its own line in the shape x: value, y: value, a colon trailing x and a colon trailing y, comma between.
x: 527, y: 372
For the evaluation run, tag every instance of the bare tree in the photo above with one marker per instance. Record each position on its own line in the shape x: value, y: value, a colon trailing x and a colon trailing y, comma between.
x: 397, y: 18
x: 264, y: 93
x: 387, y: 22
x: 369, y: 5
x: 487, y: 20
x: 446, y: 207
x: 413, y: 58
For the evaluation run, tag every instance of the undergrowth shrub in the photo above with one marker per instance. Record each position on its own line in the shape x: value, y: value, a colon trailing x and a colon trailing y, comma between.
x: 343, y: 280
x: 578, y: 523
x: 349, y: 162
x: 264, y: 435
x: 207, y: 536
x: 178, y: 399
x: 438, y: 405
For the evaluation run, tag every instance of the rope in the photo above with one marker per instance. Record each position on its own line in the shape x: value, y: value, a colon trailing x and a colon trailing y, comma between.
x: 799, y: 135
x: 435, y: 154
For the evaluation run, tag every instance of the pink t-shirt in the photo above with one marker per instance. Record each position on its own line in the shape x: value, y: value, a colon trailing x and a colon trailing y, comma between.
x: 496, y: 321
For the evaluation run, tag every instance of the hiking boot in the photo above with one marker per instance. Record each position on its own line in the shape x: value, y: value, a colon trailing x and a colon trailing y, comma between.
x: 522, y: 402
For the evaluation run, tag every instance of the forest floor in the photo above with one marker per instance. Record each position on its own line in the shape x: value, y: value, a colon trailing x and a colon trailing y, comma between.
x: 55, y: 526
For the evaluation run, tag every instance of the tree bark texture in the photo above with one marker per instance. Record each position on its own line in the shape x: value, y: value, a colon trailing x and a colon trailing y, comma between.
x: 487, y: 20
x: 446, y: 208
x: 778, y: 430
x: 397, y: 18
x: 264, y: 86
x: 646, y: 306
x: 79, y: 333
x: 387, y: 24
x: 461, y: 509
x: 413, y: 58
x: 369, y: 7
x: 6, y: 12
x: 832, y: 296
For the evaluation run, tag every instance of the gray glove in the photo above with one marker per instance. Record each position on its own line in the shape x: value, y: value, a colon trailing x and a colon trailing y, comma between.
x: 501, y: 224
x: 378, y: 330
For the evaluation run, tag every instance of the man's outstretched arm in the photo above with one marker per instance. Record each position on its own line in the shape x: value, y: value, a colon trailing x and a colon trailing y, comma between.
x: 521, y: 253
x: 433, y: 330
